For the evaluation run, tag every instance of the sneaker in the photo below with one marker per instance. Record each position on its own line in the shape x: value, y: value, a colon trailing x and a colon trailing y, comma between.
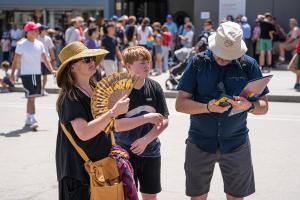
x: 34, y: 126
x: 27, y: 122
x: 33, y: 121
x: 281, y: 59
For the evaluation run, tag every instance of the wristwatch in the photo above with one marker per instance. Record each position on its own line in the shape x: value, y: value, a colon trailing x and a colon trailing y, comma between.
x: 251, y: 109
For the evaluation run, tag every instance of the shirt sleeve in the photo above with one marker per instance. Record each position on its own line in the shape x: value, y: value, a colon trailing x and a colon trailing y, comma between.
x: 19, y: 49
x: 70, y: 110
x: 51, y: 45
x: 162, y: 107
x: 188, y: 80
x: 104, y: 42
x: 43, y: 48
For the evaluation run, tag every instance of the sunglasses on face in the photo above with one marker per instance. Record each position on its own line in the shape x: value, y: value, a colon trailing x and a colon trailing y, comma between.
x: 85, y: 60
x: 88, y: 59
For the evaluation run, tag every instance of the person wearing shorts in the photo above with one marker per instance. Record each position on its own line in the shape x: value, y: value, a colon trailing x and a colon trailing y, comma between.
x: 147, y: 117
x: 213, y: 135
x: 49, y: 48
x: 28, y: 55
x: 265, y: 41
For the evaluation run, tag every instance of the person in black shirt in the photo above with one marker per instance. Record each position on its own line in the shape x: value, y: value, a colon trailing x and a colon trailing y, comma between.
x: 147, y: 118
x: 267, y: 30
x: 75, y: 78
x: 110, y: 43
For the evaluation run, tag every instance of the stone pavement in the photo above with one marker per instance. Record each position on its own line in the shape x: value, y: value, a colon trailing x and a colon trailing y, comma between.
x: 281, y: 86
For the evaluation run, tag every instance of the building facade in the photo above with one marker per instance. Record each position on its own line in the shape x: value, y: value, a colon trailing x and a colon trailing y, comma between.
x: 52, y: 13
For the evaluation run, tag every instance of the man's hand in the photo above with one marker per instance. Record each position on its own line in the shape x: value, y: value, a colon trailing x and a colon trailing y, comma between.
x: 240, y: 103
x: 154, y: 118
x: 213, y: 108
x: 139, y: 146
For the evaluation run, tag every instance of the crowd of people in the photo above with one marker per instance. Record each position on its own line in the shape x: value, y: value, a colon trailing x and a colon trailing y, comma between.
x: 266, y: 41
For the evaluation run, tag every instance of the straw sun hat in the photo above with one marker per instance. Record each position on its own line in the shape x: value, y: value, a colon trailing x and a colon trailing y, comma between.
x: 74, y: 51
x: 227, y: 42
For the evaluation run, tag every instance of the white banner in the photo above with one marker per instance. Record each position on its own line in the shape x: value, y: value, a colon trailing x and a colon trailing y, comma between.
x: 231, y: 7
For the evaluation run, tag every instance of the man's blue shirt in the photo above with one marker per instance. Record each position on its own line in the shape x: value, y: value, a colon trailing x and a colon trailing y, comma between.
x: 214, y: 131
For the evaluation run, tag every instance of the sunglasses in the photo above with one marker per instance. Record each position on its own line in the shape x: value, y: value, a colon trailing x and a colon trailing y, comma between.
x: 85, y: 60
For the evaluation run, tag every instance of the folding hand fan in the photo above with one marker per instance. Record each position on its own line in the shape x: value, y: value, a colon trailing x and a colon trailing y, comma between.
x: 109, y: 90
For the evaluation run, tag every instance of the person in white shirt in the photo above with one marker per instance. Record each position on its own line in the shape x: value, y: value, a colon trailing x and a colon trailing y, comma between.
x: 15, y: 34
x: 49, y: 48
x: 72, y: 33
x: 187, y: 39
x: 29, y: 54
x: 144, y: 32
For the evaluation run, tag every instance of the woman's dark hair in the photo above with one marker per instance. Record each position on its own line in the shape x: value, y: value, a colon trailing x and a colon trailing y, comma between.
x: 68, y: 83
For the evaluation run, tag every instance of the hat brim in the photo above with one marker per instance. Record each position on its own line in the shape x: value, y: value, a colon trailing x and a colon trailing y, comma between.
x: 36, y: 27
x: 225, y: 53
x: 99, y: 53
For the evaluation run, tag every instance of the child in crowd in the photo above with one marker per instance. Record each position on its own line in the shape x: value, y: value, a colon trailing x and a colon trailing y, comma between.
x: 5, y: 82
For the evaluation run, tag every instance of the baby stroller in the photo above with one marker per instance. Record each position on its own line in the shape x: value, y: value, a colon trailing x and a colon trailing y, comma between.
x: 176, y: 70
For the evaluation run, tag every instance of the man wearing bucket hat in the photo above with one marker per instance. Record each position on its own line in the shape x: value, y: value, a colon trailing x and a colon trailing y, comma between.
x: 29, y: 54
x: 214, y: 136
x: 75, y: 78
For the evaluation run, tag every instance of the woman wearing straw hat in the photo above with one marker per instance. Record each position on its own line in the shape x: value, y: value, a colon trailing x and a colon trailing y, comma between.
x: 75, y: 78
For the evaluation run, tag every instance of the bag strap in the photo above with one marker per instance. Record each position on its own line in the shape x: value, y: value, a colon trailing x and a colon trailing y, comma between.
x: 78, y: 149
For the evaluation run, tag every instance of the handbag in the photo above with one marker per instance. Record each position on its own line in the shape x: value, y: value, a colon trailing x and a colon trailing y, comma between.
x: 105, y: 181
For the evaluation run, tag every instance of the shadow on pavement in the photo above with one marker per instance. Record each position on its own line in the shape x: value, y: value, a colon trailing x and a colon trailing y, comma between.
x: 17, y: 133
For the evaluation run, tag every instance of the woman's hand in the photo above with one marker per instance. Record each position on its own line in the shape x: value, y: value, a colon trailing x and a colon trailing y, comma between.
x: 121, y: 106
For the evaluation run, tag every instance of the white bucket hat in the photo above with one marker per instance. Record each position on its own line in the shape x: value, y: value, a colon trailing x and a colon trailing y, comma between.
x: 227, y: 42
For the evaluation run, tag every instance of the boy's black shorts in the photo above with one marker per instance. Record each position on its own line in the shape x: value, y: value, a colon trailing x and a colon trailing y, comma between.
x: 147, y: 173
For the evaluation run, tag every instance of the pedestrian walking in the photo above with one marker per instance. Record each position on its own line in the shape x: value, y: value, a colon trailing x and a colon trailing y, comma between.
x: 49, y: 48
x: 214, y: 136
x: 110, y: 43
x: 29, y: 54
x: 5, y: 45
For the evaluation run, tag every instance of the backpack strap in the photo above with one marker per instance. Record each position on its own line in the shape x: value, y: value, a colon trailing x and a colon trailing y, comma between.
x: 202, y: 59
x: 244, y: 65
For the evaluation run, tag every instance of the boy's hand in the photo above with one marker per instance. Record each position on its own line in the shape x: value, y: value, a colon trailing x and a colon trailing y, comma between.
x: 139, y: 146
x: 154, y: 118
x: 240, y: 103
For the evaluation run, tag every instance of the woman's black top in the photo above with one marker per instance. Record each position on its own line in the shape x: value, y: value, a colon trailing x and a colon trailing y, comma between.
x: 68, y: 161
